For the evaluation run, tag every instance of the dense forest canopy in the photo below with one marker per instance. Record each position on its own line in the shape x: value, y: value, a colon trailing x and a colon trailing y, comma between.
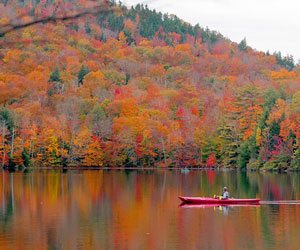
x: 136, y: 87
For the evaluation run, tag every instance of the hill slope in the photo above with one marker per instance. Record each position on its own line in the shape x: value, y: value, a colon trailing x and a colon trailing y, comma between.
x: 132, y: 87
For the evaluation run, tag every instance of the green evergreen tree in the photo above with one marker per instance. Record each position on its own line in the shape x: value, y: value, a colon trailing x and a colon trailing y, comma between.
x: 26, y: 158
x: 247, y: 151
x: 7, y: 117
x: 287, y: 62
x: 229, y: 146
x: 127, y: 78
x: 55, y: 75
x: 84, y: 70
x: 243, y: 45
x: 270, y: 98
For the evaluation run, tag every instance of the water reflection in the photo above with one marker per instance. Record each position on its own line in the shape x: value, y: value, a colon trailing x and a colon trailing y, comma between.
x: 216, y: 207
x: 139, y: 210
x: 222, y: 208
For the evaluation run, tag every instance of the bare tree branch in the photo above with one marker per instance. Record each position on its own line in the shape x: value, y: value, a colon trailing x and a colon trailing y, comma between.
x: 99, y: 9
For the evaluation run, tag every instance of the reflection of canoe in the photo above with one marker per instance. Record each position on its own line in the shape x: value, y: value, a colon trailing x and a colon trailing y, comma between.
x: 206, y: 200
x: 193, y: 205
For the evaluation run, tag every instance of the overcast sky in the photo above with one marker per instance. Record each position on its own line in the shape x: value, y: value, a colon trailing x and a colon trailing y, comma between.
x: 272, y: 25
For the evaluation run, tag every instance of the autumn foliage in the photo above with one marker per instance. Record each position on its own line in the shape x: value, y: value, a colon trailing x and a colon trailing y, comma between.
x: 121, y: 90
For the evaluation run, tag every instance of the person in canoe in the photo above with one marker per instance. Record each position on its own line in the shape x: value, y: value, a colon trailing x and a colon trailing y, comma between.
x: 224, y: 196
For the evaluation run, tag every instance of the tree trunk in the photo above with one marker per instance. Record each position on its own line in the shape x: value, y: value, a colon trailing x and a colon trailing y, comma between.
x: 164, y: 152
x: 3, y: 146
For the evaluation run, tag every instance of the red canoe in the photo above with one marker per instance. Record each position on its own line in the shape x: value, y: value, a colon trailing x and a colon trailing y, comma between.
x: 206, y: 200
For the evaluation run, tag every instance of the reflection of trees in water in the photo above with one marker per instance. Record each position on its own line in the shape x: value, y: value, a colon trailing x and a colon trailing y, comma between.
x: 98, y: 209
x: 7, y: 200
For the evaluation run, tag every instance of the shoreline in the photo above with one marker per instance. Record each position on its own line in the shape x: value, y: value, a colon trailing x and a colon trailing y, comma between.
x: 217, y: 169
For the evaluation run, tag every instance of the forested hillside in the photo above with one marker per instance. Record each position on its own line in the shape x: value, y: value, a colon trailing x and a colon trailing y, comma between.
x: 135, y: 87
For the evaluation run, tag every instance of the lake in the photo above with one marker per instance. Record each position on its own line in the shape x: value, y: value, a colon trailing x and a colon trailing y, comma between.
x: 139, y: 209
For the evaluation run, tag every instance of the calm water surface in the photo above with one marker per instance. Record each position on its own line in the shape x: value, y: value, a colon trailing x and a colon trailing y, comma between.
x: 140, y: 210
